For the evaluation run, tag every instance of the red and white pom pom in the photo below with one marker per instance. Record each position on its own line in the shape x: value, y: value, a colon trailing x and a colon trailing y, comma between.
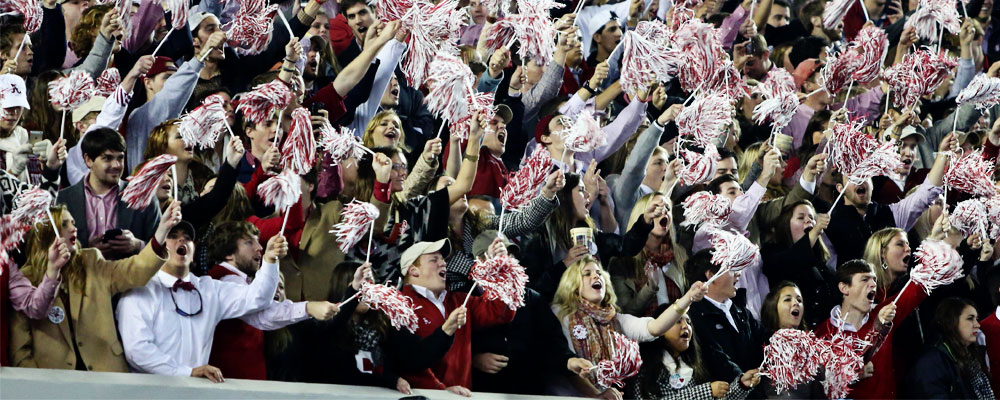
x: 835, y: 11
x: 983, y: 91
x: 31, y: 10
x: 264, y: 101
x: 249, y: 31
x: 355, y: 221
x: 728, y: 81
x: 341, y: 144
x: 705, y: 208
x: 71, y: 91
x: 704, y: 118
x: 31, y: 205
x: 142, y: 186
x: 971, y: 173
x: 993, y: 214
x: 698, y: 167
x: 202, y: 126
x: 537, y: 31
x: 178, y: 10
x: 733, y: 251
x: 430, y: 26
x: 882, y: 161
x: 849, y: 146
x: 449, y: 84
x: 473, y: 102
x: 872, y: 45
x: 281, y: 191
x: 392, y: 302
x: 970, y: 217
x: 938, y: 264
x: 299, y: 150
x: 780, y: 100
x: 933, y: 68
x: 931, y: 15
x: 904, y: 84
x: 502, y: 278
x: 624, y: 364
x: 523, y: 185
x: 108, y: 82
x: 843, y: 361
x: 792, y: 358
x: 645, y: 59
x: 502, y: 32
x: 838, y: 71
x: 700, y: 51
x: 585, y: 135
x: 390, y: 10
x: 12, y: 234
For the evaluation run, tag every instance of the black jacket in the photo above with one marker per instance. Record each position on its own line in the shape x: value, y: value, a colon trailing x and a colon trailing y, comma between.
x: 801, y: 265
x: 726, y: 351
x: 936, y: 376
x: 849, y: 231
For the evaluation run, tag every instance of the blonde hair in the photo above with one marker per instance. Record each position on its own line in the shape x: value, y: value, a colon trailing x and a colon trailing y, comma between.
x: 750, y: 155
x: 40, y: 238
x: 567, y: 296
x: 873, y: 255
x: 368, y: 138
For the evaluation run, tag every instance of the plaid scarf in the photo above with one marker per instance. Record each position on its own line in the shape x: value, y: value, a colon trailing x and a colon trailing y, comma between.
x: 590, y: 328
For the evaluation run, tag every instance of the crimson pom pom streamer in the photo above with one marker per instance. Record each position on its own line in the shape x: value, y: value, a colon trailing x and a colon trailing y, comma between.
x: 706, y: 208
x: 142, y: 186
x: 625, y: 362
x: 393, y: 303
x: 842, y: 363
x: 780, y: 100
x: 473, y: 102
x: 700, y: 51
x: 792, y: 358
x: 835, y: 12
x: 983, y: 91
x: 250, y: 30
x: 71, y: 91
x: 31, y: 205
x: 993, y: 214
x: 733, y: 251
x: 585, y: 135
x: 31, y: 10
x: 858, y: 155
x: 449, y: 83
x: 970, y: 217
x: 108, y: 82
x: 728, y: 81
x: 282, y: 190
x: 502, y: 278
x: 355, y: 220
x: 299, y: 149
x: 11, y: 235
x: 178, y: 13
x: 264, y: 101
x: 390, y: 10
x: 839, y: 70
x: 704, y: 118
x: 931, y: 14
x: 971, y: 173
x: 698, y: 167
x: 938, y: 264
x: 872, y: 45
x: 919, y: 74
x: 341, y: 144
x: 883, y: 160
x: 429, y: 25
x: 523, y: 185
x: 646, y: 59
x: 202, y: 126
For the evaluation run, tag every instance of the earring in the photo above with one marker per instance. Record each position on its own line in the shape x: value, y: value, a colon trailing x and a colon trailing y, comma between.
x: 884, y: 266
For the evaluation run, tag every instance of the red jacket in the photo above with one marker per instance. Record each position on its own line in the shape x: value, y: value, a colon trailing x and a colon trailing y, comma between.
x: 882, y: 384
x: 238, y: 348
x: 991, y: 328
x: 455, y: 369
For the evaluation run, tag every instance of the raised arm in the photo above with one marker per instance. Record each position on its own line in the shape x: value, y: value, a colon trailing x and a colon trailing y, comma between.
x: 357, y: 68
x: 672, y: 314
x: 467, y: 174
x: 238, y: 300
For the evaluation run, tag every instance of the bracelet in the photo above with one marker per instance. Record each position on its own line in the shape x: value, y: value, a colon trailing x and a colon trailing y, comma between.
x: 678, y: 310
x: 293, y: 62
x: 471, y: 158
x: 586, y: 86
x: 292, y: 70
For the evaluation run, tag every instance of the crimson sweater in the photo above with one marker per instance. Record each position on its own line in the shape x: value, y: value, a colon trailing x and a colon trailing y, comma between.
x: 238, y: 348
x: 991, y: 328
x: 882, y: 384
x: 455, y: 369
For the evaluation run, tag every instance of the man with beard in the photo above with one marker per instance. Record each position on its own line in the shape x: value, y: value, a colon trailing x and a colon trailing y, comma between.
x: 857, y: 217
x: 104, y: 220
x: 889, y: 190
x: 238, y: 347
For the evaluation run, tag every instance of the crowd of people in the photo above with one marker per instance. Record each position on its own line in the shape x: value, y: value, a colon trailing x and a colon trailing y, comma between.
x: 209, y: 281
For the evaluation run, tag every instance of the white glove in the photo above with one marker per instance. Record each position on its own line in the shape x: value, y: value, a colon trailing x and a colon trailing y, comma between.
x: 19, y: 160
x: 41, y: 148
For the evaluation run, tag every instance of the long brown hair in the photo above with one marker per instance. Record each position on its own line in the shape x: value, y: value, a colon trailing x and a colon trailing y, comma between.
x: 783, y: 233
x: 39, y: 240
x: 562, y: 219
x: 769, y: 309
x: 156, y: 144
x: 946, y: 318
x: 42, y: 116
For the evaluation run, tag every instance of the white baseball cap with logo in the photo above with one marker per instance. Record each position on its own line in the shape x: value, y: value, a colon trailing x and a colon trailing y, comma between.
x: 13, y: 93
x: 410, y: 255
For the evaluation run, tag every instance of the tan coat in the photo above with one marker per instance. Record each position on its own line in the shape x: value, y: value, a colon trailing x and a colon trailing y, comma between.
x: 43, y: 344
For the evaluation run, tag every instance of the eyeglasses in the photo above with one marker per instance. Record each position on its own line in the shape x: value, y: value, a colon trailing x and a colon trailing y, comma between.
x: 399, y: 167
x: 185, y: 313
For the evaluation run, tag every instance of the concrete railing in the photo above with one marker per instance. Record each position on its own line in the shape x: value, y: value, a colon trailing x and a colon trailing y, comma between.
x: 24, y: 383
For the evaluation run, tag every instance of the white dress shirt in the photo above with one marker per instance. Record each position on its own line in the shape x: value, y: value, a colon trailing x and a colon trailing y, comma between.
x: 159, y: 340
x: 725, y: 306
x: 277, y: 315
x: 437, y: 301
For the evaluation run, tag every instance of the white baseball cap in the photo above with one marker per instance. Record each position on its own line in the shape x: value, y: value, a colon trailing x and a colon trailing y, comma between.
x: 410, y: 255
x: 13, y: 93
x: 95, y: 104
